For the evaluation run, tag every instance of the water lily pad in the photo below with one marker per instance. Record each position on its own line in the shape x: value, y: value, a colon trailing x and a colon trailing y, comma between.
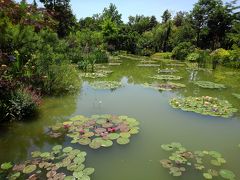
x: 166, y: 77
x: 165, y: 86
x: 209, y: 85
x: 207, y: 176
x: 99, y: 130
x: 204, y: 105
x: 84, y: 141
x: 113, y: 136
x: 105, y: 84
x: 36, y: 154
x: 57, y: 148
x: 67, y: 149
x: 29, y: 169
x: 106, y: 143
x: 181, y: 158
x: 226, y: 174
x: 88, y: 171
x: 95, y: 144
x: 123, y: 140
x: 6, y: 165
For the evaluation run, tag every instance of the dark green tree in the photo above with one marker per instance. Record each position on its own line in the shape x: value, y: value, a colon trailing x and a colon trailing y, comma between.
x: 166, y: 16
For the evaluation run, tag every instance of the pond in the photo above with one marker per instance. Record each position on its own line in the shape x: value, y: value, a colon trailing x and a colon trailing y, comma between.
x: 159, y: 122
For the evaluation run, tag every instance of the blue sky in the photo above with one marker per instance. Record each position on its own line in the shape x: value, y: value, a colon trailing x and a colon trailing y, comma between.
x: 85, y: 8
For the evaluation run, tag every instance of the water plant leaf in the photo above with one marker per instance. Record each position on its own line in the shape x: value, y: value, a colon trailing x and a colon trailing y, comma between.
x: 57, y: 148
x: 67, y: 149
x: 207, y: 176
x: 204, y: 105
x: 88, y: 171
x: 227, y: 174
x: 123, y: 140
x: 209, y: 85
x: 98, y: 130
x: 166, y: 77
x: 105, y: 84
x: 29, y: 169
x: 6, y: 165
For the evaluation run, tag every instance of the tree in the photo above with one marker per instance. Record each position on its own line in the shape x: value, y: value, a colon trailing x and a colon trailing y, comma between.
x: 112, y: 13
x: 212, y: 20
x: 166, y: 16
x: 61, y: 12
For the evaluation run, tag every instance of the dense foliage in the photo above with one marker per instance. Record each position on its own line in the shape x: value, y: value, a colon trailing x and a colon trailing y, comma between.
x: 39, y: 45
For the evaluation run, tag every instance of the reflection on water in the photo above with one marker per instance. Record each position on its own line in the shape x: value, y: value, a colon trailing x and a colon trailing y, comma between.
x: 160, y: 123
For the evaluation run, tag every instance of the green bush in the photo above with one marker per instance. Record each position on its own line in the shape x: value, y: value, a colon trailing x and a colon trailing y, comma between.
x: 182, y: 50
x: 61, y: 79
x: 234, y: 58
x: 219, y: 56
x: 20, y: 104
x: 193, y: 57
x: 101, y: 56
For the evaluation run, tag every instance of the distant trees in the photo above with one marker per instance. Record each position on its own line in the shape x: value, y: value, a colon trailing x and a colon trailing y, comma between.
x: 62, y: 13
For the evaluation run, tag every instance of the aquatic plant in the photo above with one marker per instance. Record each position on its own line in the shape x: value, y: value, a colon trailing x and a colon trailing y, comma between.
x: 166, y: 77
x: 105, y: 84
x: 176, y: 65
x: 165, y: 86
x: 206, y: 162
x: 61, y: 163
x: 236, y: 95
x: 209, y: 85
x: 114, y: 64
x: 148, y: 65
x: 98, y: 74
x: 204, y: 105
x: 98, y: 130
x: 167, y: 70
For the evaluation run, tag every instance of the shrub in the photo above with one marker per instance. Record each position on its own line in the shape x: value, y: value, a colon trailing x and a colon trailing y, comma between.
x: 101, y: 56
x: 193, y: 57
x: 219, y: 56
x: 182, y: 50
x: 61, y: 79
x: 20, y: 104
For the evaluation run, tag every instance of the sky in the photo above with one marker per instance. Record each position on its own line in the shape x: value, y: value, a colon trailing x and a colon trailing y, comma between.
x: 85, y: 8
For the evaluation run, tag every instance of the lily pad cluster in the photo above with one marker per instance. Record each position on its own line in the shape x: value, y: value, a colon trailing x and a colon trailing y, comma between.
x: 148, y: 65
x: 205, y: 105
x: 105, y: 84
x: 114, y: 64
x: 236, y: 95
x: 167, y: 70
x: 59, y: 164
x: 166, y: 77
x: 209, y: 163
x: 98, y: 74
x: 176, y: 65
x: 98, y: 130
x: 209, y: 85
x: 165, y: 86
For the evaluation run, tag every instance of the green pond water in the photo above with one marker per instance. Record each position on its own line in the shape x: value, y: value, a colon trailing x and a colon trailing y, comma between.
x: 159, y: 123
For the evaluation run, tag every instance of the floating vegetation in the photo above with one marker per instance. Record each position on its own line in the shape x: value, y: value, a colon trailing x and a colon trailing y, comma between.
x: 148, y: 62
x: 206, y: 162
x: 148, y: 65
x: 131, y: 57
x: 177, y: 64
x: 209, y: 85
x: 59, y: 164
x: 114, y: 64
x: 105, y: 84
x: 236, y: 95
x: 167, y: 70
x: 99, y: 74
x: 165, y: 86
x: 204, y: 105
x: 166, y: 77
x: 98, y: 130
